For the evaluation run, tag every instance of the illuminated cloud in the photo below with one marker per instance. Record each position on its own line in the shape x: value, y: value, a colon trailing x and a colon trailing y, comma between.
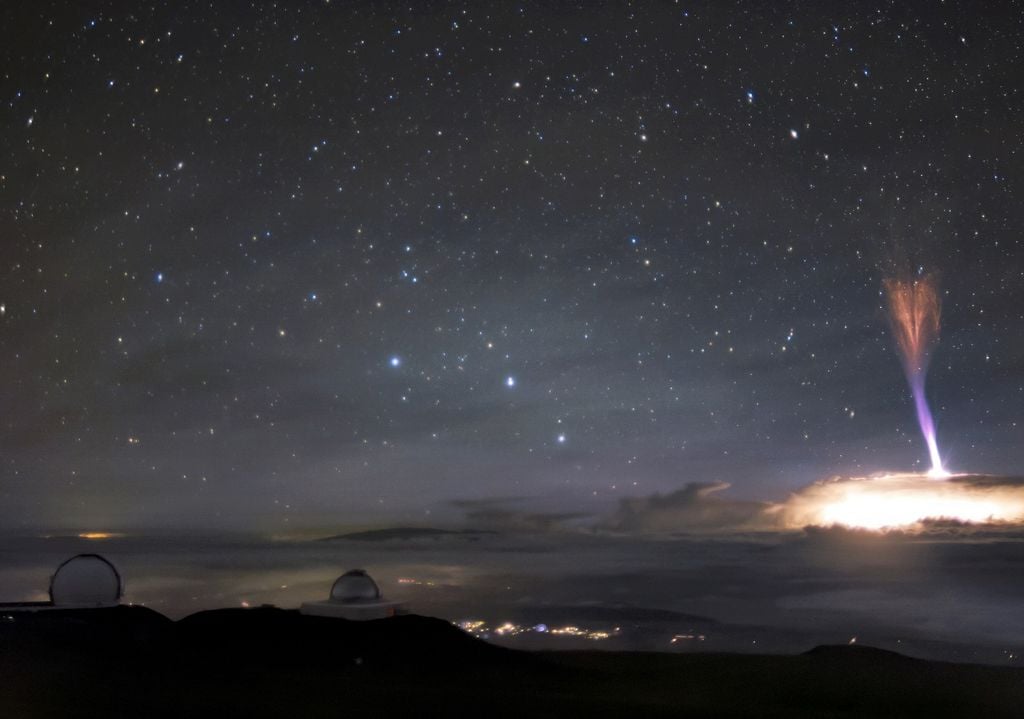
x: 697, y: 507
x: 900, y: 501
x: 909, y: 503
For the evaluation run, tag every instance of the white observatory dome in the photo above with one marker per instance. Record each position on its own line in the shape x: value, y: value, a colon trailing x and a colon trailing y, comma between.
x: 86, y: 580
x: 354, y: 596
x: 355, y: 586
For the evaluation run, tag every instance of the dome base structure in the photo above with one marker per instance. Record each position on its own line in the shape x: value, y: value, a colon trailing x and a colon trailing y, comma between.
x: 355, y: 611
x: 354, y: 596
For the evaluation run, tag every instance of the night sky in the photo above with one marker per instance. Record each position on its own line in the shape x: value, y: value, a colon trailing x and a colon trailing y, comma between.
x: 295, y: 264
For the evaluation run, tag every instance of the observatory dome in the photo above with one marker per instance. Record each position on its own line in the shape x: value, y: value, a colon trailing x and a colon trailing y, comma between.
x: 354, y: 596
x: 86, y: 580
x: 355, y: 586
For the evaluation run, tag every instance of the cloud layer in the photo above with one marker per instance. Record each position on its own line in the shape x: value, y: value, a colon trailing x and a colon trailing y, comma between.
x: 697, y: 507
x: 906, y: 502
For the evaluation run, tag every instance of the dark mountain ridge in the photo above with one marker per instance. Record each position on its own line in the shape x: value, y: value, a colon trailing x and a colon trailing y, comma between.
x: 266, y: 662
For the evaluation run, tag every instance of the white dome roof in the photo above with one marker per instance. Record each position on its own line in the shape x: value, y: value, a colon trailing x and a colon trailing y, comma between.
x: 355, y: 586
x: 85, y: 580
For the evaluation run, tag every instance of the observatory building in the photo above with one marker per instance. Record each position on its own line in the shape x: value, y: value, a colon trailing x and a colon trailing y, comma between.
x: 86, y: 580
x: 81, y: 582
x: 354, y: 596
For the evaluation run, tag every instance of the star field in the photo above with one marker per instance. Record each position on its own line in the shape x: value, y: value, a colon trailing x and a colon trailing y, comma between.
x: 351, y: 262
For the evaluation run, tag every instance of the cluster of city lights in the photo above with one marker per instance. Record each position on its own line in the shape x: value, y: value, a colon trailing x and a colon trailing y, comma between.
x: 482, y: 630
x: 677, y: 638
x: 416, y: 582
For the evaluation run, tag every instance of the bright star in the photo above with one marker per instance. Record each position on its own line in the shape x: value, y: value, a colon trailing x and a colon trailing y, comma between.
x: 395, y: 361
x: 510, y: 381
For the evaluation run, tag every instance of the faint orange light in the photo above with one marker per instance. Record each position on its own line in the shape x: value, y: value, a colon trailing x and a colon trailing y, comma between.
x: 99, y: 535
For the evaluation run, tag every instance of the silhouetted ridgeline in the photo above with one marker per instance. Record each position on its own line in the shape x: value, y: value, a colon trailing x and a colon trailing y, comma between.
x: 129, y: 661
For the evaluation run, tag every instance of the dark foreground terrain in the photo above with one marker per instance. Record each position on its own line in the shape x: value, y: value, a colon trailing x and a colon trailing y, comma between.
x: 133, y: 662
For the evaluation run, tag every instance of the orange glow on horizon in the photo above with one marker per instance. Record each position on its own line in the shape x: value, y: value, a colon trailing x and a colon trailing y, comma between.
x: 98, y: 535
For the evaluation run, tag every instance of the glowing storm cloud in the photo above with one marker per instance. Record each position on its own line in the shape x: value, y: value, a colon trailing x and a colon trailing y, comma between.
x: 909, y: 501
x: 914, y: 310
x: 898, y: 501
